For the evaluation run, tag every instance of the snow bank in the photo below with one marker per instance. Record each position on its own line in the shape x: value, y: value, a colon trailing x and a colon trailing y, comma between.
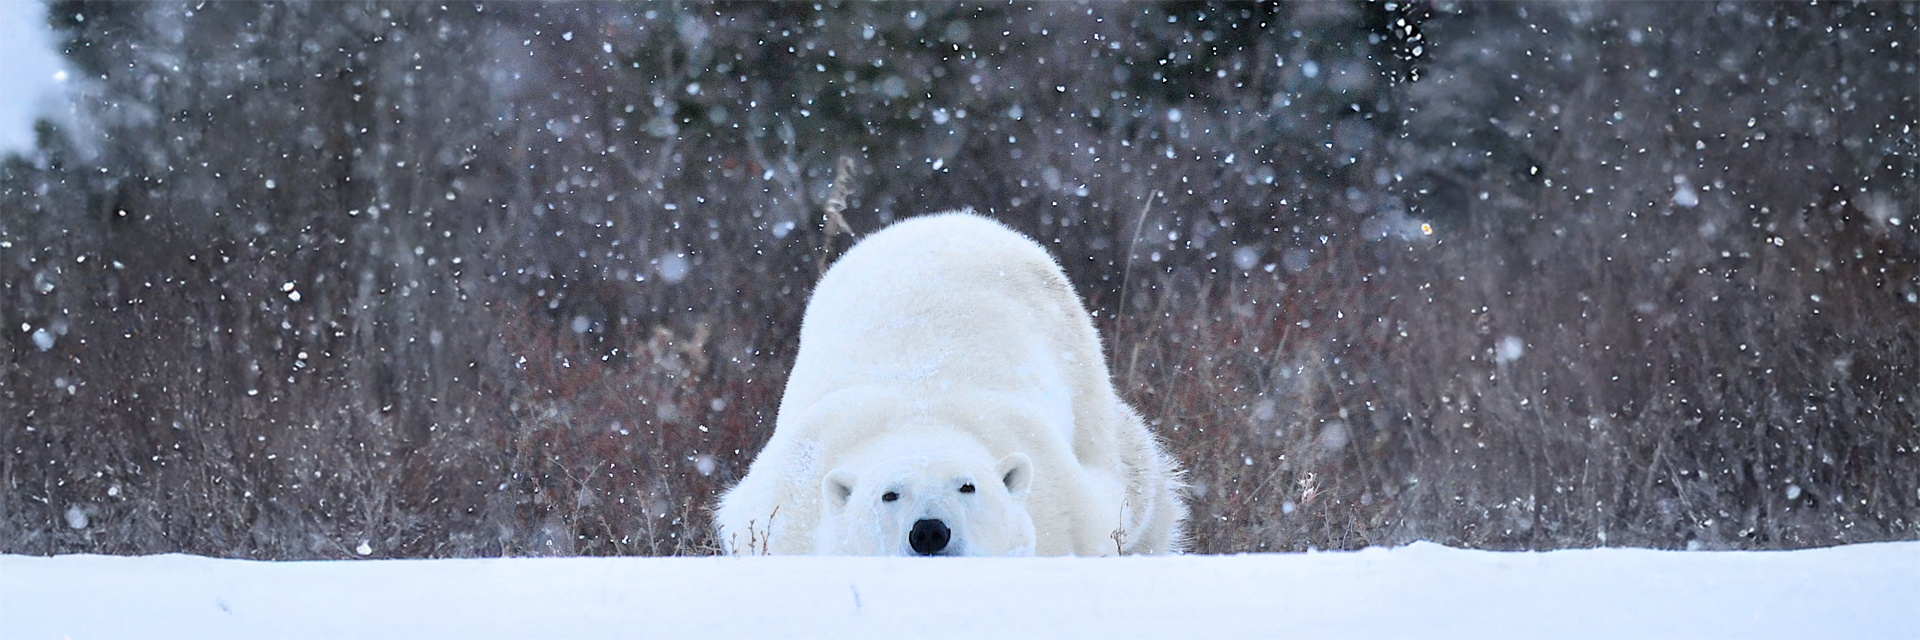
x: 1423, y: 590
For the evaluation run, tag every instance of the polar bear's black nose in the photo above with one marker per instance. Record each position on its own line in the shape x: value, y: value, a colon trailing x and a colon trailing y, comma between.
x: 929, y: 536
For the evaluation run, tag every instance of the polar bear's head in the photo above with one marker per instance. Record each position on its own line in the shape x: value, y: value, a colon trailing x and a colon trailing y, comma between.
x: 931, y: 496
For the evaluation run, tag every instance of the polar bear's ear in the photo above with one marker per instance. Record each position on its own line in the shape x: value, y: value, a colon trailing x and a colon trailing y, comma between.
x: 838, y: 487
x: 1016, y: 471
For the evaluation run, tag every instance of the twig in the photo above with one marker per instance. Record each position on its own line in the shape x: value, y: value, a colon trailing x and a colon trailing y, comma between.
x: 1126, y: 272
x: 766, y: 541
x: 836, y: 203
x: 837, y: 197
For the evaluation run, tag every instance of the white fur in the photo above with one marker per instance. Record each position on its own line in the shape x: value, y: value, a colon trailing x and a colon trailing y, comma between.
x: 925, y: 469
x: 942, y: 350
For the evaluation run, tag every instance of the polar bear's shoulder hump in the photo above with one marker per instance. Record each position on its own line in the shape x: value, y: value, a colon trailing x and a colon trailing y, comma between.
x: 958, y: 244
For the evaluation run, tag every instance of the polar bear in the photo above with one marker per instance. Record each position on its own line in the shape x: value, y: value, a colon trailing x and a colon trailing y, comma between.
x: 951, y: 397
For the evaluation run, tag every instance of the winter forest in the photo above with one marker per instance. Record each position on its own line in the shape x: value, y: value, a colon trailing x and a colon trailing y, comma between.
x: 331, y: 280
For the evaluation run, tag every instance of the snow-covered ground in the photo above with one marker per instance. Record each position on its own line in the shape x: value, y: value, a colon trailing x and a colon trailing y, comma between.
x: 1423, y: 590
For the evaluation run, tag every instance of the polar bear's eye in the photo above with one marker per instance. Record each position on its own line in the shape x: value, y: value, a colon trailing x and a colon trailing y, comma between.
x: 966, y: 488
x: 889, y: 496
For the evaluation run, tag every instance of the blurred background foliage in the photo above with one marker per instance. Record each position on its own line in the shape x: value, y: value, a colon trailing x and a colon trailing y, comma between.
x: 455, y: 279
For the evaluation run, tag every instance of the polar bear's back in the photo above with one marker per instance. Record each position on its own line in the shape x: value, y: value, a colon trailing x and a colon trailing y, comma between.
x: 948, y: 296
x: 918, y: 264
